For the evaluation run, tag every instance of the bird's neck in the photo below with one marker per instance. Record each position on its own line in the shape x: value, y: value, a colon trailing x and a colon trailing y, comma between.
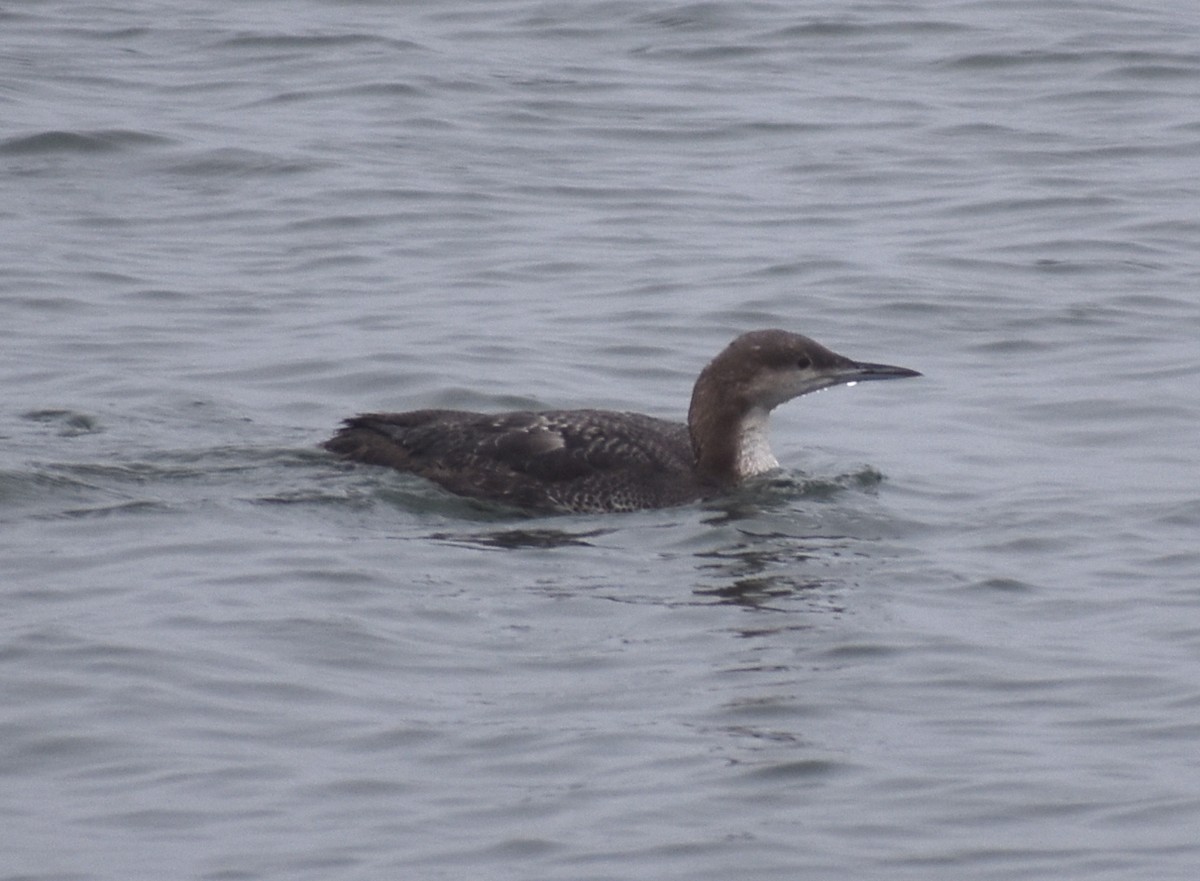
x: 729, y: 433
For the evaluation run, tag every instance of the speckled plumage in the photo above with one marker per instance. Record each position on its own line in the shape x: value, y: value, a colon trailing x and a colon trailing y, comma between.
x: 600, y: 460
x: 556, y: 460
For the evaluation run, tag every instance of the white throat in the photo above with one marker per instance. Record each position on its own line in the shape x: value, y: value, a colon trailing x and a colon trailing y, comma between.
x: 754, y: 454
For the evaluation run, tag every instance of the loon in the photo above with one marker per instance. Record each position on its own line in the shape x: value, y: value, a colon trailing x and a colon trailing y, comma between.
x: 576, y: 461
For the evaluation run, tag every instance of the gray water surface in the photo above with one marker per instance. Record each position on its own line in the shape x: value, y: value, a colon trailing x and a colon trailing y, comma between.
x: 958, y: 637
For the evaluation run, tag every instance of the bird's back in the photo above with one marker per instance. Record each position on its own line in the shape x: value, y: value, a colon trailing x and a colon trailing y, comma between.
x: 557, y: 460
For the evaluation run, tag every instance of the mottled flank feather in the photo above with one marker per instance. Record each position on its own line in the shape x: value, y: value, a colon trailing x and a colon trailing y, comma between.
x: 564, y: 460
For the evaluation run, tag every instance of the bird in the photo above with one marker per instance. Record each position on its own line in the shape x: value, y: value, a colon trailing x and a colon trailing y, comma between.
x: 602, y: 461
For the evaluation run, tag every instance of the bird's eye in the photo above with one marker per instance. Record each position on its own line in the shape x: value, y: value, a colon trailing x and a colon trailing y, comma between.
x: 803, y: 362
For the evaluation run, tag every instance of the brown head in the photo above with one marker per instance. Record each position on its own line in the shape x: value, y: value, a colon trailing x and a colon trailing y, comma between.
x: 755, y: 373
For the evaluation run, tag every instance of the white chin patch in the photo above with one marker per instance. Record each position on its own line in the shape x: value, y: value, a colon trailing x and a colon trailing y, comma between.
x: 754, y: 450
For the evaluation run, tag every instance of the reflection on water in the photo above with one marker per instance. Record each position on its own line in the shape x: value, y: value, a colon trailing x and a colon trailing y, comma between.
x: 769, y: 571
x: 762, y: 548
x: 514, y: 539
x: 68, y: 422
